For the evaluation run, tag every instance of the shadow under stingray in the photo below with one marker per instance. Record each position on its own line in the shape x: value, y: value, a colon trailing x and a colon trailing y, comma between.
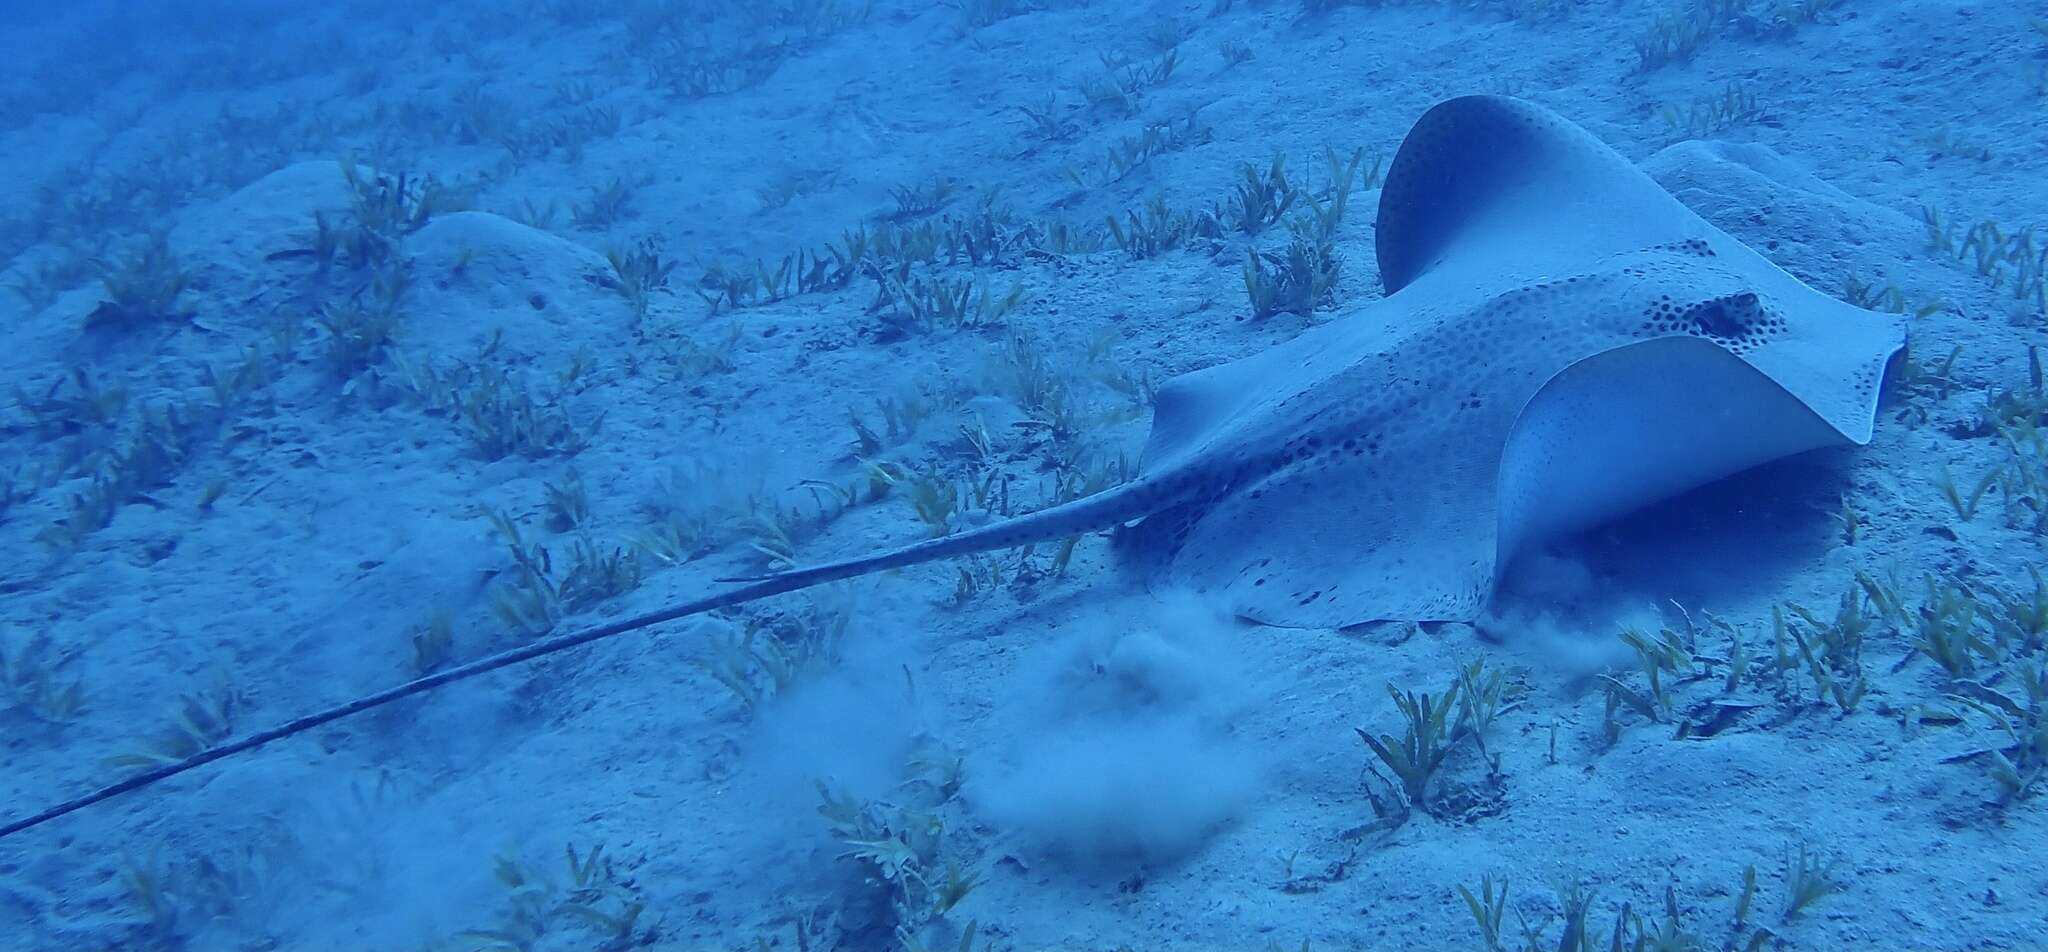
x: 1733, y: 540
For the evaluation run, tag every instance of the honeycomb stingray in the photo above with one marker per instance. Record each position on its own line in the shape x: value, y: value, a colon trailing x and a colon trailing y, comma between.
x: 1561, y: 342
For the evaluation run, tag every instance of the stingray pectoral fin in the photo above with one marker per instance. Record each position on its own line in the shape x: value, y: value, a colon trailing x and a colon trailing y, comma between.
x: 1630, y: 426
x: 1420, y: 530
x: 1492, y: 187
x: 1349, y: 535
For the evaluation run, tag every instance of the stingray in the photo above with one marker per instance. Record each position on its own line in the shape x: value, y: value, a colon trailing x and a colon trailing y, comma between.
x: 1561, y: 342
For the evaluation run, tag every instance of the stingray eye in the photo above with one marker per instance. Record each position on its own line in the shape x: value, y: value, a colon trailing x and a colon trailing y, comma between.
x: 1726, y: 317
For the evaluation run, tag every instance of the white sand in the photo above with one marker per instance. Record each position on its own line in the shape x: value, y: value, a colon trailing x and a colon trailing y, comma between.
x: 1136, y: 771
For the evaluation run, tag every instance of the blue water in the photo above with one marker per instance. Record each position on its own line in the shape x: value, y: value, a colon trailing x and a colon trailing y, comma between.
x: 352, y: 346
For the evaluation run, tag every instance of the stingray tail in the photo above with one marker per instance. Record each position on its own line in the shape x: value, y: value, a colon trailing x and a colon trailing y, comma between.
x: 1094, y: 513
x: 1100, y: 511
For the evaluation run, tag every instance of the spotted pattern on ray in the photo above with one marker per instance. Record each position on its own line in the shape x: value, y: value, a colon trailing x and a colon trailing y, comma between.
x: 1360, y: 471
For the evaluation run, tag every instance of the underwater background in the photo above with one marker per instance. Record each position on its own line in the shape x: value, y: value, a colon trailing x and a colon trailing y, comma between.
x: 345, y: 343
